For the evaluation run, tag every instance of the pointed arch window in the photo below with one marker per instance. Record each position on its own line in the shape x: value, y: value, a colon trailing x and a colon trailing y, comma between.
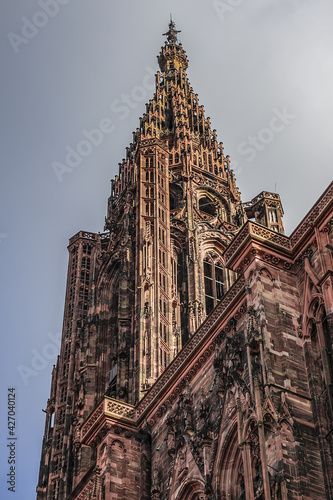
x: 233, y: 485
x: 214, y: 283
x: 321, y: 364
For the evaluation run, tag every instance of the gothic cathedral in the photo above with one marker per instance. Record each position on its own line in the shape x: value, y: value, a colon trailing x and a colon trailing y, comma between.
x: 197, y: 346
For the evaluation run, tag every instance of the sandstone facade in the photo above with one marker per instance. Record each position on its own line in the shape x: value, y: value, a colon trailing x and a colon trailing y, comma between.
x: 197, y: 349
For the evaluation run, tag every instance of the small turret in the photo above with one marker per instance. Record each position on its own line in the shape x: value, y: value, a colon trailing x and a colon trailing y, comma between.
x: 266, y: 209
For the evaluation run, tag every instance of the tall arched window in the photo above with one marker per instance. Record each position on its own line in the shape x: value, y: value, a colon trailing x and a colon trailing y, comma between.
x: 214, y: 283
x: 232, y: 484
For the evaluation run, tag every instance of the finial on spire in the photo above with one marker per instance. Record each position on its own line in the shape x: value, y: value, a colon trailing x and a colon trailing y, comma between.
x: 172, y: 33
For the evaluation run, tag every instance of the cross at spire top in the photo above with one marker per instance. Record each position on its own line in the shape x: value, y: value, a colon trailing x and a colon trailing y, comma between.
x: 172, y: 33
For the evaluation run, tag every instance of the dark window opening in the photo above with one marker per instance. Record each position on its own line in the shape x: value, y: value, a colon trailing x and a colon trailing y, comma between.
x: 173, y: 202
x: 206, y: 205
x: 209, y: 294
x: 219, y: 282
x: 86, y: 249
x: 214, y: 284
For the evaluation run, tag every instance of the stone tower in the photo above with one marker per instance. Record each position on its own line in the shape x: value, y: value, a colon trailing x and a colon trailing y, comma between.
x: 145, y: 302
x: 174, y: 198
x: 138, y: 292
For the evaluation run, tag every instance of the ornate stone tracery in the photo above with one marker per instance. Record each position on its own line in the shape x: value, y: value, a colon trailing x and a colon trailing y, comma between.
x: 196, y: 359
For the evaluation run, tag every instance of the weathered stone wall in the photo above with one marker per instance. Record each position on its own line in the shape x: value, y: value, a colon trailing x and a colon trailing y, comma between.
x: 244, y: 424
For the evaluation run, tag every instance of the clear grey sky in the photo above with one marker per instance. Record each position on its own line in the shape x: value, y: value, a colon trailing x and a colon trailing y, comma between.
x: 250, y: 61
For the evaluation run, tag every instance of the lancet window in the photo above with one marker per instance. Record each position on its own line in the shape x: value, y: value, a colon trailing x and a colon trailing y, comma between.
x: 86, y: 249
x: 55, y: 490
x: 149, y: 162
x: 59, y: 440
x: 214, y: 283
x: 232, y: 481
x: 272, y: 215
